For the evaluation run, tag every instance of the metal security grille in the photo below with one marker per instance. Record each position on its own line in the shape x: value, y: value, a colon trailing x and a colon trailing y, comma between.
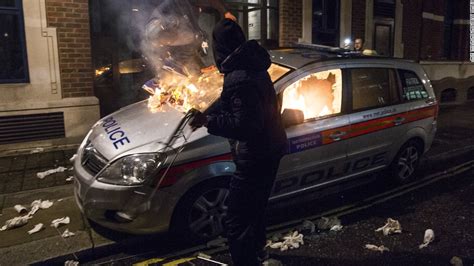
x: 384, y: 8
x: 25, y: 128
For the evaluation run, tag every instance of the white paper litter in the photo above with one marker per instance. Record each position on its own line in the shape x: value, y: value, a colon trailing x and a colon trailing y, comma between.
x: 456, y: 261
x: 73, y: 158
x: 381, y: 248
x: 39, y: 204
x: 291, y: 241
x: 391, y: 227
x: 37, y: 150
x: 15, y: 222
x: 36, y: 229
x: 428, y: 238
x: 67, y: 234
x: 336, y: 228
x: 20, y: 209
x: 44, y: 174
x: 70, y: 178
x: 60, y: 221
x: 71, y: 263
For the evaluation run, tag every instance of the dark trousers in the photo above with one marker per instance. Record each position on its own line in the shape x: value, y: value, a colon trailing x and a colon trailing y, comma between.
x: 250, y: 189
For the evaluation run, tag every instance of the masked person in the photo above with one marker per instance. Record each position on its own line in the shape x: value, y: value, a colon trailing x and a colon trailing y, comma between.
x: 248, y: 115
x: 175, y: 37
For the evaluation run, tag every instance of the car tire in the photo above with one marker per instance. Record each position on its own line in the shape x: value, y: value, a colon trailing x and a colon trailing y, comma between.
x: 199, y: 216
x: 404, y: 166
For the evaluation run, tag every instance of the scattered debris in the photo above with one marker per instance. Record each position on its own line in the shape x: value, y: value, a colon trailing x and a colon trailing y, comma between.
x: 291, y: 241
x: 20, y: 209
x: 36, y: 229
x: 67, y: 233
x: 429, y: 237
x: 272, y: 262
x: 73, y: 158
x: 15, y: 222
x: 336, y: 228
x: 39, y: 204
x: 381, y: 248
x: 326, y: 223
x: 70, y: 168
x: 44, y: 174
x: 71, y: 263
x: 60, y: 221
x: 59, y: 200
x: 456, y: 261
x: 70, y: 178
x: 36, y: 150
x: 391, y: 227
x: 307, y: 228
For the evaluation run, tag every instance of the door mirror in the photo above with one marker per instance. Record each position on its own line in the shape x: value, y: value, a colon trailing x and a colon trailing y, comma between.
x: 291, y: 117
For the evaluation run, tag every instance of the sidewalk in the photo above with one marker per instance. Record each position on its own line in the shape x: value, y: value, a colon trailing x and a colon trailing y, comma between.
x: 20, y: 185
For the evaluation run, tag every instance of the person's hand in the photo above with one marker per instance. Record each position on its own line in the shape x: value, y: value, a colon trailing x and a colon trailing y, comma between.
x: 230, y: 16
x: 198, y: 121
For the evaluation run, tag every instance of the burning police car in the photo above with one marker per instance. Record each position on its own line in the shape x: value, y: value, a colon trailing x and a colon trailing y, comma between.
x: 345, y: 116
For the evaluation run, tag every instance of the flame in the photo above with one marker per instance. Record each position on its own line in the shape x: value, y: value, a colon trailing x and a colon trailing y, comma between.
x: 185, y: 92
x: 316, y: 95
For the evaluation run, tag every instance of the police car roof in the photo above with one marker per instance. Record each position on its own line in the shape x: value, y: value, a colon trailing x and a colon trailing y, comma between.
x: 297, y: 57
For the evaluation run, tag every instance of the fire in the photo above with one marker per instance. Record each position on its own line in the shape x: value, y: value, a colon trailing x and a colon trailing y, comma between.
x: 184, y: 92
x: 317, y: 95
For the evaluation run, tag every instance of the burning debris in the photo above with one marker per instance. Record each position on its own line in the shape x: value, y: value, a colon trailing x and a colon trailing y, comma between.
x: 184, y: 92
x: 391, y: 227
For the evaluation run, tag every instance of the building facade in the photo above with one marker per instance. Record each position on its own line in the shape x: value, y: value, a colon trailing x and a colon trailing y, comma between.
x: 432, y: 32
x: 46, y: 92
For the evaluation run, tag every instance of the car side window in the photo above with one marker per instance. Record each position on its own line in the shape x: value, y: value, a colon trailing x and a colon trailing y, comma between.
x: 373, y: 87
x: 413, y: 88
x: 317, y: 95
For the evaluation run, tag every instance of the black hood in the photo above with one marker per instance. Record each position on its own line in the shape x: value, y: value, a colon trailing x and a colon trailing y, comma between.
x: 232, y: 52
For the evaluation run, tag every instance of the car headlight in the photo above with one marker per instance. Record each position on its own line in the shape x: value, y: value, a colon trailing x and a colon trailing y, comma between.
x: 131, y: 170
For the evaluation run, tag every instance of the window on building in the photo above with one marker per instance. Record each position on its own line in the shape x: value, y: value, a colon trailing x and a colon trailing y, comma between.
x: 470, y: 93
x: 13, y: 61
x: 373, y: 87
x: 326, y: 22
x: 317, y: 95
x: 413, y: 88
x: 449, y: 95
x: 448, y: 28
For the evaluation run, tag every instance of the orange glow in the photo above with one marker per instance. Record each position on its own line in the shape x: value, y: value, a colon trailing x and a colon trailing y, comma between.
x: 319, y: 94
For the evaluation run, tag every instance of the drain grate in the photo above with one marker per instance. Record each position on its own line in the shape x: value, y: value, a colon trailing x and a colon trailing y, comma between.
x: 25, y: 128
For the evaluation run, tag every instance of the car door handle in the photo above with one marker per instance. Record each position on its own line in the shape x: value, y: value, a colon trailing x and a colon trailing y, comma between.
x: 336, y: 136
x: 399, y: 120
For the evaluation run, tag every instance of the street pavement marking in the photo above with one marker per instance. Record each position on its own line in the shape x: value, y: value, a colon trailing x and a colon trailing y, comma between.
x: 179, y: 261
x: 148, y: 262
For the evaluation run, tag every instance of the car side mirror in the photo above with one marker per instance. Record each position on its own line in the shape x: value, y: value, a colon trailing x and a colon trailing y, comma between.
x: 291, y: 117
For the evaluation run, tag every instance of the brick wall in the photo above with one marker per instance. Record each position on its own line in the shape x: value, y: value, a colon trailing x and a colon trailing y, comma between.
x: 358, y: 19
x: 291, y: 13
x: 71, y: 19
x: 412, y: 10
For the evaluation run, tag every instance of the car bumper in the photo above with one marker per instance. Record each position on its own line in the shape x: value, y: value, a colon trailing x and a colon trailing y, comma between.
x: 100, y: 201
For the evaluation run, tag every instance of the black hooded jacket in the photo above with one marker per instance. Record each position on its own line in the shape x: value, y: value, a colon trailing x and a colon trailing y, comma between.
x: 248, y: 112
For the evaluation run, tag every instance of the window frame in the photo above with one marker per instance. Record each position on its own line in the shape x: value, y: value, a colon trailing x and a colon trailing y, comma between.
x: 18, y: 10
x: 308, y: 72
x: 350, y: 102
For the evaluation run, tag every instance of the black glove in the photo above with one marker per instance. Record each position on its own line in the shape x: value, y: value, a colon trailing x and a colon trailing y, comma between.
x: 198, y: 121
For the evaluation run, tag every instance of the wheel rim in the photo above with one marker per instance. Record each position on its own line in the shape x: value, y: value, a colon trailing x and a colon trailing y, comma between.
x: 207, y: 213
x: 407, y: 162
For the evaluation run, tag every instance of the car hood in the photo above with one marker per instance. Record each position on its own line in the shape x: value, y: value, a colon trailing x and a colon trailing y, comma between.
x: 136, y: 129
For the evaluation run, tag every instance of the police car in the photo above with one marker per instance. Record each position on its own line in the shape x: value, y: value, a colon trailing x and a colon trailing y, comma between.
x: 346, y: 116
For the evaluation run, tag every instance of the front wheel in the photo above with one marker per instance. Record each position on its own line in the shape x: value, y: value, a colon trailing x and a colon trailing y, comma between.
x: 403, y: 167
x: 200, y: 214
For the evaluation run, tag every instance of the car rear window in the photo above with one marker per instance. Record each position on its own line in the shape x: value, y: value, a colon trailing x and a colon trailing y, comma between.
x: 413, y: 88
x: 373, y: 87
